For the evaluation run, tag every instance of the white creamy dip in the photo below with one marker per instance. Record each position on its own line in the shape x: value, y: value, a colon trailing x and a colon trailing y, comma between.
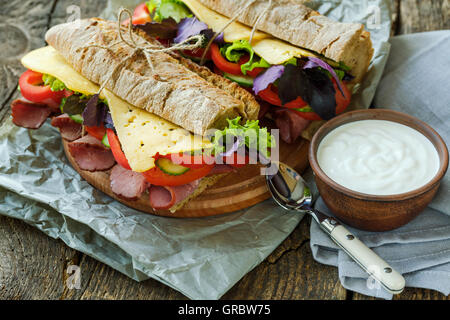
x: 378, y: 157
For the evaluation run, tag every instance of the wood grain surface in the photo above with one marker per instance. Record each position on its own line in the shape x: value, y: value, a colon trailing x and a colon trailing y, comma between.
x: 33, y: 266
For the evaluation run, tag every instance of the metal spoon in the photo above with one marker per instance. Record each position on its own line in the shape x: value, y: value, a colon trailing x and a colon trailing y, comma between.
x: 291, y: 192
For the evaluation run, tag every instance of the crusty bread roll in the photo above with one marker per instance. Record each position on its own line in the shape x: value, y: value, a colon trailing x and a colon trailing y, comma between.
x: 173, y: 90
x: 303, y: 27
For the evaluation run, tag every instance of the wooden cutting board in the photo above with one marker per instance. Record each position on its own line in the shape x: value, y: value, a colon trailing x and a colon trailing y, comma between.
x: 237, y: 190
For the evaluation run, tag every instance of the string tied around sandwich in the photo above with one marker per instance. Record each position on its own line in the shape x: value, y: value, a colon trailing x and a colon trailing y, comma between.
x: 233, y: 19
x: 191, y: 43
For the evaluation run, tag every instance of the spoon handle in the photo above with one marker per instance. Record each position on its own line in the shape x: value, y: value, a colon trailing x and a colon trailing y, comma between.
x: 376, y: 267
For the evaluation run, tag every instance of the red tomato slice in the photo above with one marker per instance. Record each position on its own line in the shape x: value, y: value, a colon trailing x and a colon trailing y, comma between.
x: 222, y: 63
x: 31, y: 87
x: 158, y: 178
x: 96, y: 132
x: 270, y: 95
x: 341, y: 103
x: 255, y: 72
x: 141, y: 15
x: 116, y: 149
x: 231, y: 67
x: 188, y: 160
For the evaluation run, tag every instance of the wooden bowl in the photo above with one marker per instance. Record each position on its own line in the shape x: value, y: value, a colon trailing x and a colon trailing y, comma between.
x: 372, y: 212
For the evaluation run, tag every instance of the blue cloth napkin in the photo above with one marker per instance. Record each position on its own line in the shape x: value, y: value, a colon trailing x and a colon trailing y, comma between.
x: 415, y: 81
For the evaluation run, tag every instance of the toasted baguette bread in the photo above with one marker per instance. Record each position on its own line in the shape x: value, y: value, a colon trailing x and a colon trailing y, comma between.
x: 301, y: 26
x: 173, y: 90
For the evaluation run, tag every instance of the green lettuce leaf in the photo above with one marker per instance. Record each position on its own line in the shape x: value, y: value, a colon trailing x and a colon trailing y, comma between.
x: 250, y: 134
x: 234, y: 52
x: 164, y: 9
x: 256, y: 64
x: 237, y: 49
x: 55, y: 84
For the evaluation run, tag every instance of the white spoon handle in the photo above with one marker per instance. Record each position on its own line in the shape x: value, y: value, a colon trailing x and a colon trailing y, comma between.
x: 376, y: 267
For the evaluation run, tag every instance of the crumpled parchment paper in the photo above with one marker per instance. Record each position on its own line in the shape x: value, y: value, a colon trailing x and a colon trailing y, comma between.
x: 201, y: 258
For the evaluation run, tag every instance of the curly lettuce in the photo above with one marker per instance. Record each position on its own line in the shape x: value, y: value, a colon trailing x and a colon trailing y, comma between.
x: 55, y: 84
x: 250, y: 135
x: 164, y: 9
x: 234, y: 52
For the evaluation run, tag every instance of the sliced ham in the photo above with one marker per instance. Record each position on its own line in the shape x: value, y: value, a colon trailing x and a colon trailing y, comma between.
x: 162, y: 198
x: 70, y: 130
x: 90, y: 154
x: 290, y: 124
x: 127, y: 184
x: 28, y: 114
x: 220, y: 168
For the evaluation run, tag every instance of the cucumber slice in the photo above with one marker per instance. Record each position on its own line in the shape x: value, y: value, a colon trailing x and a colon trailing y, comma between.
x: 78, y: 118
x: 245, y: 81
x: 170, y: 168
x: 105, y: 141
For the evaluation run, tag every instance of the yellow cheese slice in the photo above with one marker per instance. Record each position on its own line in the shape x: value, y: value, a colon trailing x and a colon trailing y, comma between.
x: 48, y: 60
x: 141, y: 133
x: 275, y: 51
x: 235, y: 31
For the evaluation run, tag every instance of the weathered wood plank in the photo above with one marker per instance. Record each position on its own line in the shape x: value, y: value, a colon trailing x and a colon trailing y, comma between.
x: 410, y: 294
x: 99, y: 281
x: 290, y: 272
x: 30, y: 262
x: 423, y: 15
x: 23, y: 27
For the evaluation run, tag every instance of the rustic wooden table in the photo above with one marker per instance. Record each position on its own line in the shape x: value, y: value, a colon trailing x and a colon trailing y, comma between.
x: 33, y: 266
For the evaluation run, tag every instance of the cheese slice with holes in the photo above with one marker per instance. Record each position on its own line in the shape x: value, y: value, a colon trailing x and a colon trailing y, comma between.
x: 273, y: 50
x: 141, y: 133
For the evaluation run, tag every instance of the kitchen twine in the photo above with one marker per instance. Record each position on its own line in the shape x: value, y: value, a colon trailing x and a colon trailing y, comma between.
x: 233, y: 19
x: 184, y: 45
x: 145, y: 49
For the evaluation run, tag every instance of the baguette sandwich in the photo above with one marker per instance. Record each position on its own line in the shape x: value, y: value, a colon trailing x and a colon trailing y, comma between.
x: 148, y: 127
x: 283, y: 64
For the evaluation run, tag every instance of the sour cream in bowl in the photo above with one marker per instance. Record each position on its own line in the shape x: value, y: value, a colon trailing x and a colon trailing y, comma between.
x: 378, y: 157
x: 377, y: 169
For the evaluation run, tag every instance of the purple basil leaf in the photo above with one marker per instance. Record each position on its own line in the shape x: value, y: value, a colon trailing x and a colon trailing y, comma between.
x: 316, y: 62
x: 189, y: 27
x: 219, y: 39
x: 166, y: 29
x: 94, y: 113
x: 312, y: 85
x: 74, y: 105
x: 348, y: 77
x: 208, y: 34
x: 262, y: 81
x: 108, y: 121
